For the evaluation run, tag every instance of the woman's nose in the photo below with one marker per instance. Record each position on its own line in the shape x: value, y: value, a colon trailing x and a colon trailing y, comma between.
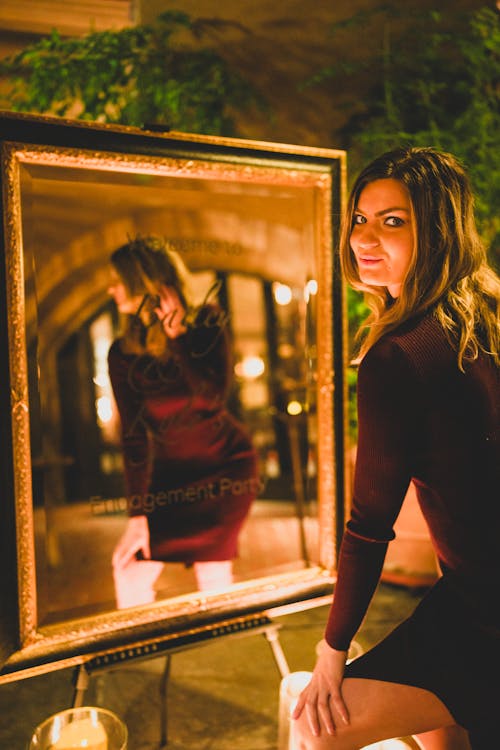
x: 367, y: 236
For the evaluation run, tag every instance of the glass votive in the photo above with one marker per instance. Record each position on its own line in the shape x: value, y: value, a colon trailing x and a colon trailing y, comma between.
x: 395, y: 744
x: 86, y: 727
x: 291, y: 687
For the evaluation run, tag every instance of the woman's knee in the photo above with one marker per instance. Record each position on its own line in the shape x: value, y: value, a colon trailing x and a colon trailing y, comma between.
x: 303, y: 739
x: 446, y: 738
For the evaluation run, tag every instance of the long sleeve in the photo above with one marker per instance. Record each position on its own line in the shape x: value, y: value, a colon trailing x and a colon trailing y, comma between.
x: 135, y: 437
x: 387, y: 414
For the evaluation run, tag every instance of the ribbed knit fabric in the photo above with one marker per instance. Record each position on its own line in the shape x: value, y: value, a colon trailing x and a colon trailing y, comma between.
x: 422, y: 419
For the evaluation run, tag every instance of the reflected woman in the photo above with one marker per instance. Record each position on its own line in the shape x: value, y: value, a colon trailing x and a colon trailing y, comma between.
x: 190, y: 467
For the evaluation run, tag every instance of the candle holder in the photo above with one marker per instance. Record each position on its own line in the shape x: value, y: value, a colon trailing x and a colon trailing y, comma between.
x: 291, y: 687
x: 86, y: 727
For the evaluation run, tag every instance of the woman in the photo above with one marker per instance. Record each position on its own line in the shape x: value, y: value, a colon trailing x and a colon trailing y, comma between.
x: 428, y: 407
x: 190, y: 468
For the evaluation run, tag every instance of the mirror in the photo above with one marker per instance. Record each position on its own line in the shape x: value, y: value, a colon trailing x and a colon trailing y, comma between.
x: 252, y: 225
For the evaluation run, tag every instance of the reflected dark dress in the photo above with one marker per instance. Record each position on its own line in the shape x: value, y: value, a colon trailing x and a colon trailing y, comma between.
x: 422, y: 419
x: 189, y: 464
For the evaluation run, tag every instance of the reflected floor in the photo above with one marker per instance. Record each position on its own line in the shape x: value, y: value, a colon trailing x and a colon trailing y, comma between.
x: 74, y: 551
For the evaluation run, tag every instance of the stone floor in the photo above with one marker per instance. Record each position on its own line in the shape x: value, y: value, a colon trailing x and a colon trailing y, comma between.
x: 222, y: 696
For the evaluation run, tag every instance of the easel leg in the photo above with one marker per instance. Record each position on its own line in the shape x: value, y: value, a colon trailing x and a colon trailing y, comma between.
x: 272, y: 638
x: 163, y: 702
x: 81, y: 684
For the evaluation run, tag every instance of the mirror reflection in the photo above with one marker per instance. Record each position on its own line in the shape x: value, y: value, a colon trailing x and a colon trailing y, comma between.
x: 190, y: 467
x: 170, y: 325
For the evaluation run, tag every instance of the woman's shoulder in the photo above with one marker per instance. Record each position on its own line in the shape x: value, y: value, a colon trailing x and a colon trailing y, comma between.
x: 117, y: 351
x: 425, y: 329
x: 118, y: 361
x: 420, y: 343
x: 120, y: 355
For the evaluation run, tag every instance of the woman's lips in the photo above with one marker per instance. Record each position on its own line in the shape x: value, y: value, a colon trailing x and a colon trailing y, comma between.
x: 366, y: 260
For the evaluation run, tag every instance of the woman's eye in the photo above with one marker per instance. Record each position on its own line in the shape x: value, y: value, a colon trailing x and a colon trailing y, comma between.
x: 394, y: 221
x: 358, y: 219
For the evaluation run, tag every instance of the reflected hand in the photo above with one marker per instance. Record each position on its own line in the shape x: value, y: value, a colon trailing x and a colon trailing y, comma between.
x: 171, y: 312
x: 322, y: 698
x: 135, y: 539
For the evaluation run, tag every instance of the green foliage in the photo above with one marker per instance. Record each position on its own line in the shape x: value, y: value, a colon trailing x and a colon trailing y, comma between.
x: 141, y: 75
x: 357, y: 312
x: 434, y: 80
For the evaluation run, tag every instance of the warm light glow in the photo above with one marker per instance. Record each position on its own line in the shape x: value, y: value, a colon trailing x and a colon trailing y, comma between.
x: 387, y: 745
x: 291, y: 687
x: 272, y: 466
x: 82, y: 733
x: 286, y: 350
x: 250, y: 367
x: 102, y: 379
x: 101, y: 347
x: 310, y: 289
x: 101, y: 334
x: 294, y: 407
x: 282, y: 294
x: 104, y: 409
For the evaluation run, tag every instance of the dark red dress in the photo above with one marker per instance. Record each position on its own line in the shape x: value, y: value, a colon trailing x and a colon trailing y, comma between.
x: 422, y: 419
x: 190, y: 466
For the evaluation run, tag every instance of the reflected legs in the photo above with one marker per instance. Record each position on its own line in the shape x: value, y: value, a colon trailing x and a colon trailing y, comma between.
x: 134, y: 584
x: 213, y: 574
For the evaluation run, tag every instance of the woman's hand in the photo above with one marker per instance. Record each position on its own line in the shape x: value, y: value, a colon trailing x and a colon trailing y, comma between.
x: 135, y: 539
x: 171, y: 312
x: 322, y: 698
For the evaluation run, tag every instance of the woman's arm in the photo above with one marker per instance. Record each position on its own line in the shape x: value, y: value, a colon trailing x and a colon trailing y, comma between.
x: 134, y: 432
x: 135, y: 443
x: 388, y: 437
x: 388, y: 396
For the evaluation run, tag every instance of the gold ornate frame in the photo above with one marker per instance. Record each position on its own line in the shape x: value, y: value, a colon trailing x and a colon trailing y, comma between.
x: 321, y: 170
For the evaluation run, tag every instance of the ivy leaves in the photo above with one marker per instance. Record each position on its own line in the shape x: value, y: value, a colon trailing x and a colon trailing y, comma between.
x: 430, y: 78
x: 157, y: 73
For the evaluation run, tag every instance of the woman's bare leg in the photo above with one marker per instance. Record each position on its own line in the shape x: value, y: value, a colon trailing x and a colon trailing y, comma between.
x: 447, y: 738
x: 378, y: 710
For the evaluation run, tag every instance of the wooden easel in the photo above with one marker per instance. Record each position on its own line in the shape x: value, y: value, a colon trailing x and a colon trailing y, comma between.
x: 166, y: 646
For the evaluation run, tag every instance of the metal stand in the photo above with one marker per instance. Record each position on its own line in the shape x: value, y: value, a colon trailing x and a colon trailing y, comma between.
x: 231, y: 628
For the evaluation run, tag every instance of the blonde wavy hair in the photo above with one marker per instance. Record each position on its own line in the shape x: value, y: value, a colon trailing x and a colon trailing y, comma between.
x: 144, y: 264
x: 448, y: 272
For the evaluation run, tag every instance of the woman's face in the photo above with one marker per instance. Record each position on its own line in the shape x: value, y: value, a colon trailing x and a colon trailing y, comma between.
x: 126, y: 303
x: 382, y: 237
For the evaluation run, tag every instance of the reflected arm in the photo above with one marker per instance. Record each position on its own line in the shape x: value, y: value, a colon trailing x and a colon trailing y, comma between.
x: 135, y: 436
